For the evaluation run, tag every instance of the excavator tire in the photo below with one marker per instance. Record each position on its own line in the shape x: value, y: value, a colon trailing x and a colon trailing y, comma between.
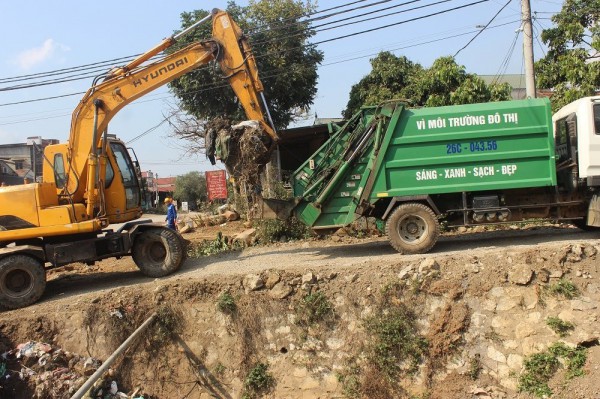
x: 22, y: 281
x: 412, y: 228
x: 158, y: 252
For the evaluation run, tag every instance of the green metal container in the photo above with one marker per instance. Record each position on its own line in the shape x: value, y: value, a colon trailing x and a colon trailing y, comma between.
x: 391, y: 151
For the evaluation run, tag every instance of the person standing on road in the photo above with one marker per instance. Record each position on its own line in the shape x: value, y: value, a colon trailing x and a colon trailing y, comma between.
x: 171, y: 218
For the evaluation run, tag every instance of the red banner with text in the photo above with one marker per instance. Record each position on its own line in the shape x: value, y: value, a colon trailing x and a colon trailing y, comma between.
x: 216, y: 185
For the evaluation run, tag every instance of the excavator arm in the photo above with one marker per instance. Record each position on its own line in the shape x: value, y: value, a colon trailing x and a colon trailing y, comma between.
x: 123, y: 85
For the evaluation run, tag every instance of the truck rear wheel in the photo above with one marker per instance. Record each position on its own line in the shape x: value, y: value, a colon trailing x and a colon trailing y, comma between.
x: 22, y: 281
x: 158, y: 252
x: 412, y: 228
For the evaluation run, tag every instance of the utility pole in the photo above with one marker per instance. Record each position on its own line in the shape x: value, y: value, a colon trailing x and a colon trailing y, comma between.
x: 528, y: 48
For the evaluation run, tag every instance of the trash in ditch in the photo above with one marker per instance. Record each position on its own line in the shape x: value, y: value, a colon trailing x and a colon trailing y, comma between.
x: 47, y: 371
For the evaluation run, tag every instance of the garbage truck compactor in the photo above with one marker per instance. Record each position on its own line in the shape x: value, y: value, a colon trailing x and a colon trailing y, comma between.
x: 464, y: 165
x: 91, y: 181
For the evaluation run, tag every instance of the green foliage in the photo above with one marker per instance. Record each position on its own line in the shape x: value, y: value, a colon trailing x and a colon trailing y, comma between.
x: 574, y: 358
x: 391, y: 77
x: 168, y: 322
x: 207, y: 248
x: 219, y: 369
x: 396, y: 343
x: 226, y: 303
x: 190, y: 187
x: 559, y: 326
x: 350, y: 381
x: 570, y: 67
x: 540, y: 367
x: 287, y: 63
x: 445, y: 83
x: 258, y: 381
x: 564, y: 288
x: 314, y: 308
x: 274, y: 230
x: 474, y: 367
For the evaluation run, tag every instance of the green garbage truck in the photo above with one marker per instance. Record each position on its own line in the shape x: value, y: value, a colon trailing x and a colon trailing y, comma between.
x: 465, y: 165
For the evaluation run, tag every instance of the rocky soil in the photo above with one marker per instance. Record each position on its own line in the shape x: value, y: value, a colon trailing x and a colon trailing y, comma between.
x: 477, y: 309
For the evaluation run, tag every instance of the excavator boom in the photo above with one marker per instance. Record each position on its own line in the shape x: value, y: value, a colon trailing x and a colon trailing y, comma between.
x: 124, y: 85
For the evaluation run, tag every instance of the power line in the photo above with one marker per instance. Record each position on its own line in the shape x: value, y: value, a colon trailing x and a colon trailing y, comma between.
x: 214, y: 86
x: 482, y: 29
x: 505, y: 62
x: 401, y: 22
x: 111, y: 62
x: 310, y: 44
x: 42, y: 99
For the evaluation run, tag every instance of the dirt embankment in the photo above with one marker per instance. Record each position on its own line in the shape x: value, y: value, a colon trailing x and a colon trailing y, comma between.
x: 327, y: 319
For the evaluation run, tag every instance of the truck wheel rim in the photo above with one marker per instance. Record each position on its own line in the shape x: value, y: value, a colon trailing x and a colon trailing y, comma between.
x: 18, y: 282
x: 412, y: 228
x: 157, y: 251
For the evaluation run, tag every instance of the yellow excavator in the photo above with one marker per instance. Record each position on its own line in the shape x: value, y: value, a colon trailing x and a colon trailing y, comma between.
x: 91, y: 181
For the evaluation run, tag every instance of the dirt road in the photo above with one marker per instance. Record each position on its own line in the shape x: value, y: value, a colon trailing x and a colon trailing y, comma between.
x: 307, y: 255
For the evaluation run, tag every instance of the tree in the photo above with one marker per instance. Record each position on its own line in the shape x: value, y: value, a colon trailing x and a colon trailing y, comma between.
x: 572, y: 65
x: 190, y: 187
x: 286, y: 61
x: 445, y: 83
x: 390, y: 77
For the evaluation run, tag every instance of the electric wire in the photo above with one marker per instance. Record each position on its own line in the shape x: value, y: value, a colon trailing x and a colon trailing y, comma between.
x: 94, y: 68
x: 310, y: 44
x: 506, y: 60
x: 111, y: 62
x: 536, y: 34
x: 104, y: 64
x: 482, y: 29
x: 400, y: 23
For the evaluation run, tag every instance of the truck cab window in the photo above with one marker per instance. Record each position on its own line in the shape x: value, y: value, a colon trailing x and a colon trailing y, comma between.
x: 597, y: 118
x: 562, y: 138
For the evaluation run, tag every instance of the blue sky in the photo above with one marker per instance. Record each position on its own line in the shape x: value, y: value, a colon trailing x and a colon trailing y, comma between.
x: 45, y: 36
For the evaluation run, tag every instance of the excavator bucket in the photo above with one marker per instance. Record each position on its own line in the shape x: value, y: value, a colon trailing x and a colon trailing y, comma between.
x: 244, y: 148
x: 269, y: 208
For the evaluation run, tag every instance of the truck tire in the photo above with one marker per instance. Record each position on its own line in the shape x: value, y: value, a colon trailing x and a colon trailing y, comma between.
x: 22, y: 281
x: 412, y: 228
x: 158, y: 252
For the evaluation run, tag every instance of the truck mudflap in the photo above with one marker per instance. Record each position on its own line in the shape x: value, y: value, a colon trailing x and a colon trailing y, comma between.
x: 593, y: 216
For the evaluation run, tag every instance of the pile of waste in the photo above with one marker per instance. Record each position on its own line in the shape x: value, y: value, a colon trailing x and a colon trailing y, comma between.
x: 38, y: 370
x: 244, y: 148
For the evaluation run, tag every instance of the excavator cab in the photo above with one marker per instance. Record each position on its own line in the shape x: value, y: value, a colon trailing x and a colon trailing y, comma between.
x: 119, y: 188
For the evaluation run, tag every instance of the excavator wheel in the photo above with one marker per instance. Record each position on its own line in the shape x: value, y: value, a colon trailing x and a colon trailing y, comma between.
x: 412, y: 228
x: 158, y: 252
x: 22, y: 281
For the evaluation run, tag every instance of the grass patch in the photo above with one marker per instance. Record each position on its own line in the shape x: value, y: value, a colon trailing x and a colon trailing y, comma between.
x: 226, y: 303
x: 559, y: 326
x: 273, y: 230
x: 396, y: 344
x: 219, y: 369
x: 350, y: 381
x: 207, y: 247
x: 258, y: 381
x: 474, y: 367
x: 314, y: 308
x: 540, y: 367
x: 564, y: 288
